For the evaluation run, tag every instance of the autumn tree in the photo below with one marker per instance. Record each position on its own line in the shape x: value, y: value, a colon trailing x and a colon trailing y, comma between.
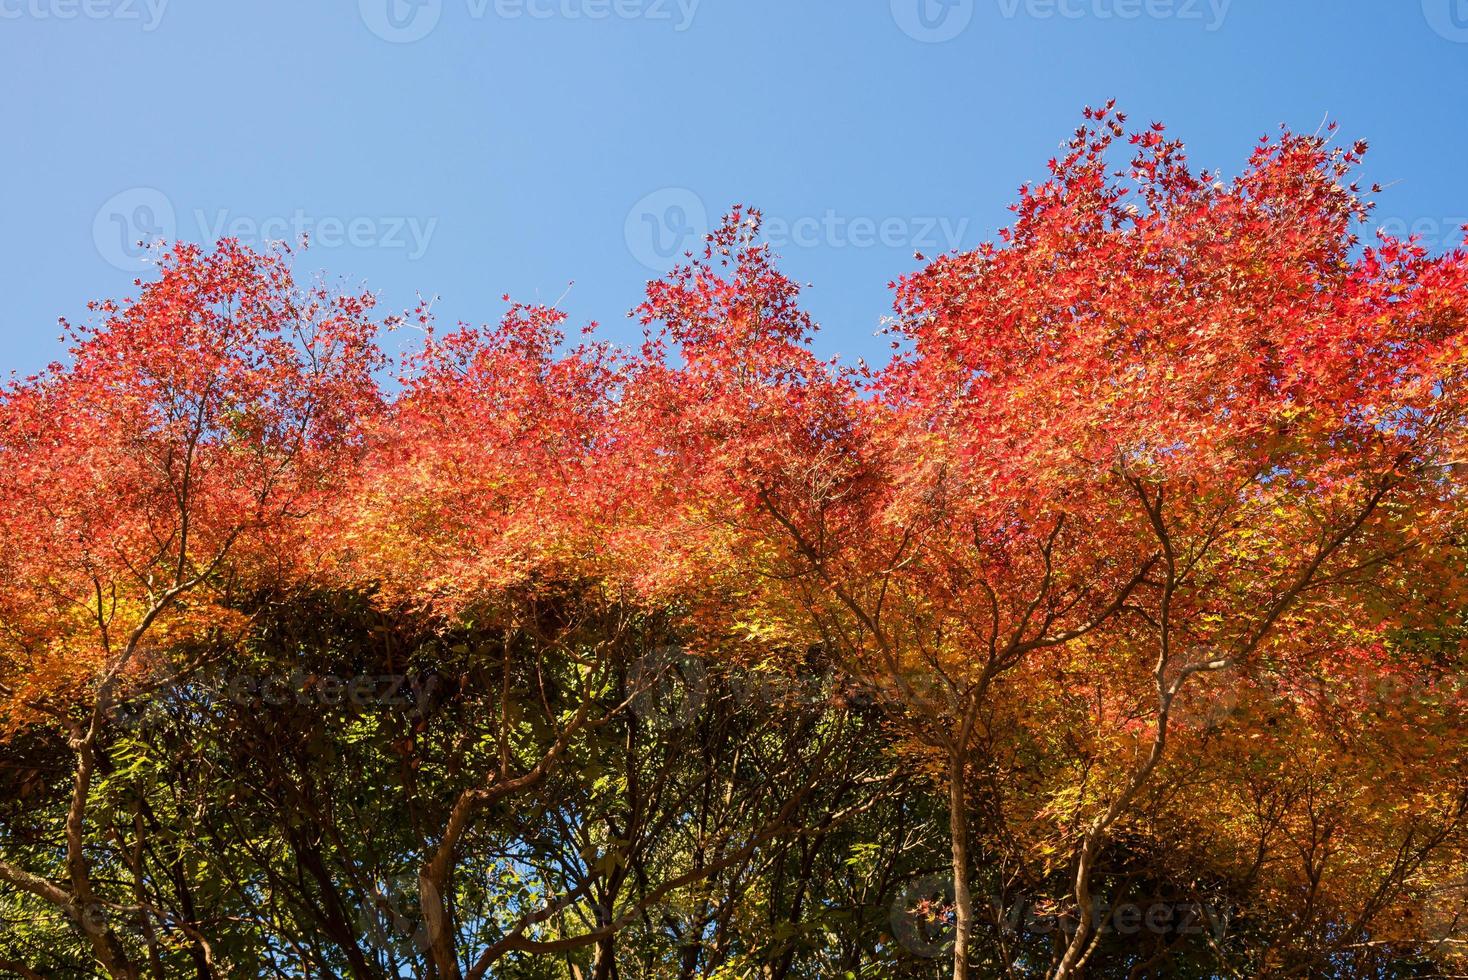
x: 1178, y: 419
x: 1134, y: 573
x: 162, y: 470
x: 496, y: 497
x: 1170, y: 431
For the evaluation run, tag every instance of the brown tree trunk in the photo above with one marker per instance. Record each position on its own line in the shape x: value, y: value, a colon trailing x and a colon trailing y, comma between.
x: 604, y: 959
x: 86, y: 910
x: 963, y: 921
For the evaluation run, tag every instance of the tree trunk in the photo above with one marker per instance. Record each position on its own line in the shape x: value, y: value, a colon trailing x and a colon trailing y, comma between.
x: 604, y: 959
x: 963, y: 920
x: 86, y: 912
x: 432, y: 889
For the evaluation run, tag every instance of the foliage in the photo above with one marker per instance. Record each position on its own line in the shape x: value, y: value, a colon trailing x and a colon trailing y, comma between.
x: 1112, y: 628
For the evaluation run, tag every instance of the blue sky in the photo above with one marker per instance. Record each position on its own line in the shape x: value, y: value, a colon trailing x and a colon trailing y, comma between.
x: 469, y: 148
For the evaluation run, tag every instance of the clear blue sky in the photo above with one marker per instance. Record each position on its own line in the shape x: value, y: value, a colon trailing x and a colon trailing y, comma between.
x: 517, y: 145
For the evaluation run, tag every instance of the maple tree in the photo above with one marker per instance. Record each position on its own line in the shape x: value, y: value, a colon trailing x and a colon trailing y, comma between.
x: 1128, y: 590
x: 1178, y: 428
x: 160, y: 471
x: 1181, y: 423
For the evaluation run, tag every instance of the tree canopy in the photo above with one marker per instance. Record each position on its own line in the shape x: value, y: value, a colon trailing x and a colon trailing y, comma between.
x: 1112, y: 628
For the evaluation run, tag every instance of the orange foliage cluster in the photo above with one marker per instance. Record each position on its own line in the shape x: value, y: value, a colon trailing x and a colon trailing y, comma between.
x: 1174, y: 441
